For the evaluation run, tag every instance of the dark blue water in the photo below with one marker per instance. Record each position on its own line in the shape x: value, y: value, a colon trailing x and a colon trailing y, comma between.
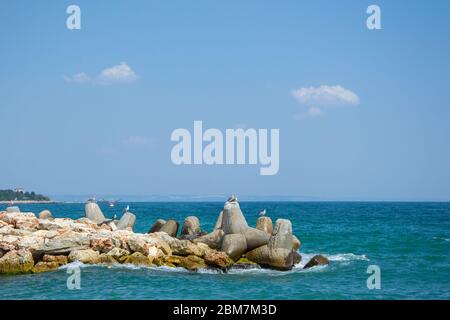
x: 410, y: 242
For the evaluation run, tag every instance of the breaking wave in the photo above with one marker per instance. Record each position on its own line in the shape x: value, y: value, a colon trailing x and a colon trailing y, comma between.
x: 441, y: 239
x: 333, y: 258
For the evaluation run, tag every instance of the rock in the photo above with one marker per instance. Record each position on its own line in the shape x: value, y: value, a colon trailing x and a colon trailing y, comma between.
x: 12, y: 210
x: 102, y: 245
x: 137, y: 244
x: 148, y: 247
x: 213, y: 239
x: 234, y: 245
x: 9, y: 242
x: 46, y: 215
x: 275, y: 258
x: 49, y: 225
x: 259, y: 255
x: 138, y: 258
x: 87, y: 256
x: 297, y: 258
x: 65, y: 243
x: 217, y: 259
x: 281, y: 259
x: 174, y: 261
x: 44, y: 267
x: 264, y: 224
x: 255, y: 238
x: 317, y: 260
x: 170, y: 227
x: 25, y: 221
x: 244, y: 263
x: 106, y: 259
x: 16, y: 261
x: 156, y: 227
x: 278, y: 253
x: 185, y: 248
x: 191, y: 226
x: 193, y: 263
x: 163, y: 246
x: 33, y: 243
x: 118, y: 254
x: 5, y: 217
x: 92, y: 212
x: 154, y: 252
x: 219, y: 222
x: 161, y: 262
x: 282, y: 235
x: 106, y: 226
x: 233, y: 219
x: 127, y: 221
x: 19, y: 220
x: 296, y: 244
x: 60, y: 260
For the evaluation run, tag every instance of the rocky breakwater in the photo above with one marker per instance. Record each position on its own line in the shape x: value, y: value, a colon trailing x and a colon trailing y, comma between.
x: 263, y: 246
x: 30, y: 244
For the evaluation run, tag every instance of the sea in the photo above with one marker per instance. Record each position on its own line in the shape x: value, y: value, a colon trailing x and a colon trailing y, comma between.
x: 407, y: 242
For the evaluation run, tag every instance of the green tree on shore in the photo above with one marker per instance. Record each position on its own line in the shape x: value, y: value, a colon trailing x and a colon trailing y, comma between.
x: 11, y: 195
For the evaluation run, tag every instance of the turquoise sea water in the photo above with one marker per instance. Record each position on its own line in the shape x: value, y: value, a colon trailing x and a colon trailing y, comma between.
x: 410, y: 242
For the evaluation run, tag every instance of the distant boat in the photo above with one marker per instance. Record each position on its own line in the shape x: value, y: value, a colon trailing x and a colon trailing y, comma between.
x: 112, y: 203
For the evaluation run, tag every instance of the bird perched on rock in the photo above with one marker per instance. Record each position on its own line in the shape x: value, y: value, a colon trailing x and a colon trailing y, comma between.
x: 233, y: 198
x: 263, y: 213
x: 127, y: 209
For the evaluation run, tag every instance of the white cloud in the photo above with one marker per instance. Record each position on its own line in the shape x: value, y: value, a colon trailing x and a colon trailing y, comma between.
x: 78, y: 78
x: 118, y: 73
x: 326, y: 96
x: 121, y: 73
x: 316, y: 99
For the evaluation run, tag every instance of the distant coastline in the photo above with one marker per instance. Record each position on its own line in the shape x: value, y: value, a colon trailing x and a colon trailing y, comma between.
x: 20, y: 196
x: 29, y: 202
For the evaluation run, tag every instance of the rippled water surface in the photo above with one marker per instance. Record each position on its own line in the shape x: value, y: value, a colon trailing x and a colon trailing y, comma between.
x: 410, y: 242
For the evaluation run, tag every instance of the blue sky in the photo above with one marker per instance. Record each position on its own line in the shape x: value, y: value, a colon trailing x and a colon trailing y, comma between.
x: 230, y: 64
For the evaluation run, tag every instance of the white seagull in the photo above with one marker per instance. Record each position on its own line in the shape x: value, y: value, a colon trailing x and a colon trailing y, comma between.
x: 233, y: 198
x: 263, y: 213
x: 127, y: 208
